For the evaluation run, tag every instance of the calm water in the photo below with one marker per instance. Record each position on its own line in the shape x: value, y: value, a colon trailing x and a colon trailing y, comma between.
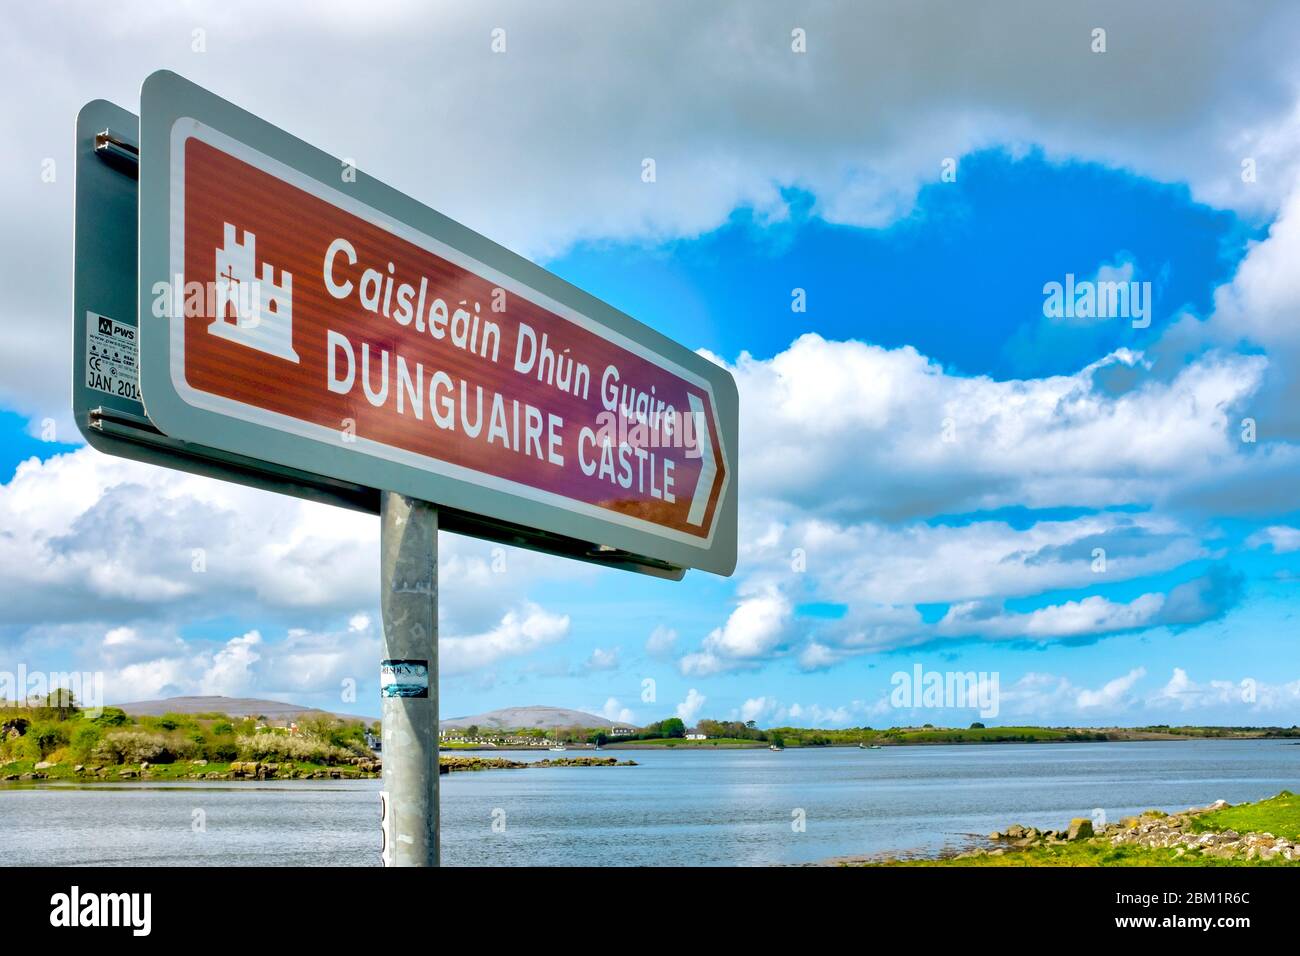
x: 677, y: 808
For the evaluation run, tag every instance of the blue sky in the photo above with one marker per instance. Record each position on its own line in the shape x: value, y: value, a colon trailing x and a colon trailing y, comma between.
x: 988, y: 240
x: 934, y: 471
x: 960, y: 278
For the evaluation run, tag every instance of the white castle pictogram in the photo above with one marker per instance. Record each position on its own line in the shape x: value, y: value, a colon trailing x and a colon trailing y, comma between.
x: 252, y: 311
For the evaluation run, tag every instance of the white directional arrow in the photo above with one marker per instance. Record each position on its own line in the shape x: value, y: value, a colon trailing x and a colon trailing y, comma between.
x: 708, y: 467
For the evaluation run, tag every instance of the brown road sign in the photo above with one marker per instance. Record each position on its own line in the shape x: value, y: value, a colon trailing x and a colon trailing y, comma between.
x: 296, y: 311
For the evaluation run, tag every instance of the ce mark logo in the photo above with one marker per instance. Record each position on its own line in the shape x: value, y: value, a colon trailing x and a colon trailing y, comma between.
x: 96, y: 363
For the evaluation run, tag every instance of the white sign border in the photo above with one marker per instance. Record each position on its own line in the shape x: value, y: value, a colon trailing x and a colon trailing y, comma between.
x: 186, y: 127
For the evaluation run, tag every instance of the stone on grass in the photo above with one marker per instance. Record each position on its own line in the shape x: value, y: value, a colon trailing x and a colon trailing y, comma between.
x: 1080, y: 829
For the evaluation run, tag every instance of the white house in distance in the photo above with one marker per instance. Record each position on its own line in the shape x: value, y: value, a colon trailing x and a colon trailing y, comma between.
x: 693, y: 733
x: 621, y: 731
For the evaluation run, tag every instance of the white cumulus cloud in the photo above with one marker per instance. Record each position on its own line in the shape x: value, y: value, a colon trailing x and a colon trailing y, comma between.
x: 689, y: 709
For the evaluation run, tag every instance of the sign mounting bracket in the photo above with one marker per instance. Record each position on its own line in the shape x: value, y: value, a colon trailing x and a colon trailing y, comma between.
x: 116, y: 150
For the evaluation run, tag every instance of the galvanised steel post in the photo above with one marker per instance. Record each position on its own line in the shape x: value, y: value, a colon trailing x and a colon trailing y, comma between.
x: 408, y: 576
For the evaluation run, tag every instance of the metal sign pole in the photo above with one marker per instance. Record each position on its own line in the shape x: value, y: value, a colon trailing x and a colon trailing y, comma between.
x: 408, y: 577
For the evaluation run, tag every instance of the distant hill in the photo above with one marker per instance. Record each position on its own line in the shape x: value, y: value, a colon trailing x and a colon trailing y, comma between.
x: 233, y: 706
x: 507, y: 717
x: 536, y: 716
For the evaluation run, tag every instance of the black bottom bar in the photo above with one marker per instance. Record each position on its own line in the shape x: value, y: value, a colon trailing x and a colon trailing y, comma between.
x: 929, y: 906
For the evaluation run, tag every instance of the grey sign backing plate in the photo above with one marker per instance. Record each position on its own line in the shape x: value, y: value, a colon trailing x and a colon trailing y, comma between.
x: 105, y: 273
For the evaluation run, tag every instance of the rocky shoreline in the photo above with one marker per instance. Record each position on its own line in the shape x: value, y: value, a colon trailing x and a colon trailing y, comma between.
x: 360, y: 768
x: 1153, y: 829
x: 238, y: 770
x: 1218, y: 834
x: 450, y: 764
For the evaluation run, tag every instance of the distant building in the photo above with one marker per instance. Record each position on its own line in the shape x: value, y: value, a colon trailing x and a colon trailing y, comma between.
x: 694, y: 734
x: 621, y: 731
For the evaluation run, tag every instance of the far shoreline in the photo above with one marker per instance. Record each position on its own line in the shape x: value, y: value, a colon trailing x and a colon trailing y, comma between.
x: 707, y: 746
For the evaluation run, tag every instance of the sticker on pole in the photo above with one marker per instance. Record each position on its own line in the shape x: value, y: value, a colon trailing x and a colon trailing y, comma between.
x: 404, y: 678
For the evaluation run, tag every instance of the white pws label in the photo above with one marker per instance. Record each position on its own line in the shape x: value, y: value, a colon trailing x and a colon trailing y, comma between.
x: 111, y: 353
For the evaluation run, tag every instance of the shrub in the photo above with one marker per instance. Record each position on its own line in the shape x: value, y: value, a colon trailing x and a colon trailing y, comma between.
x: 48, y: 736
x: 223, y: 728
x: 85, y: 738
x: 183, y: 748
x: 23, y: 748
x: 111, y: 717
x: 133, y: 746
x: 221, y: 748
x: 276, y: 747
x: 318, y: 727
x: 351, y: 731
x: 357, y: 748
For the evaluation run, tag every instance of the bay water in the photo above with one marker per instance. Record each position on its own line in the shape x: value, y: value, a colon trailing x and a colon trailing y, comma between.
x: 677, y: 808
